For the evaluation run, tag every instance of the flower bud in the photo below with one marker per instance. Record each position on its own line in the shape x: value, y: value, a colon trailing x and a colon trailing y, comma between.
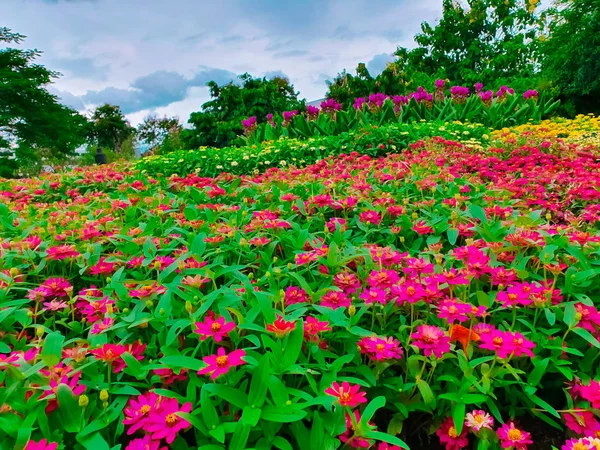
x: 109, y: 308
x: 84, y: 400
x: 352, y: 310
x: 39, y: 332
x: 103, y: 395
x: 188, y: 306
x: 149, y: 304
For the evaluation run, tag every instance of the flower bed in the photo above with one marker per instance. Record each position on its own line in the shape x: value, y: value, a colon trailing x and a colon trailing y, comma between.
x: 373, y: 140
x: 443, y: 295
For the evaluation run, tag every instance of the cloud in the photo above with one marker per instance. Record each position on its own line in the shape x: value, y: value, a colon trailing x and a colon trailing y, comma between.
x: 157, y: 89
x: 80, y: 67
x: 68, y: 99
x: 378, y: 63
x: 290, y: 54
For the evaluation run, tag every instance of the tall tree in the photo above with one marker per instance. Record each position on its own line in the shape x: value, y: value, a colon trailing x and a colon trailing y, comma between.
x: 219, y: 122
x: 109, y: 128
x: 31, y: 119
x: 154, y: 130
x: 572, y: 54
x: 480, y: 40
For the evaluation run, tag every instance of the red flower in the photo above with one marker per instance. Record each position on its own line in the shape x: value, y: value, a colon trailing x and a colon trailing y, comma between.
x: 347, y: 394
x: 218, y: 328
x: 280, y: 327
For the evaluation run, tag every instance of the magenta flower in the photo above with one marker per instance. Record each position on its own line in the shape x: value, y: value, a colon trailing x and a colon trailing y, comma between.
x: 349, y: 438
x: 217, y: 329
x: 432, y: 340
x: 219, y: 364
x: 505, y: 343
x: 380, y: 349
x: 145, y: 443
x: 374, y: 295
x: 295, y: 294
x: 450, y: 438
x: 165, y: 423
x: 454, y: 311
x: 138, y: 411
x: 347, y: 394
x: 41, y: 445
x: 582, y: 423
x: 512, y: 437
x: 62, y: 252
x: 335, y: 299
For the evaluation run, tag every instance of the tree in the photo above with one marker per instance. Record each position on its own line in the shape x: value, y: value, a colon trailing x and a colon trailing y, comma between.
x: 32, y: 120
x: 154, y: 131
x: 219, y: 121
x: 480, y: 41
x: 109, y: 128
x: 572, y: 54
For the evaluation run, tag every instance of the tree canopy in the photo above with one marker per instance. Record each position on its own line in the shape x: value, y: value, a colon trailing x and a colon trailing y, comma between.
x: 109, y: 128
x: 219, y: 121
x: 31, y: 118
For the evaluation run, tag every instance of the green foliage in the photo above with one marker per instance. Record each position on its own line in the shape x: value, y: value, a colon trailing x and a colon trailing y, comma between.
x: 109, y: 128
x: 572, y: 54
x: 158, y: 132
x: 219, y: 122
x: 32, y: 121
x: 372, y: 140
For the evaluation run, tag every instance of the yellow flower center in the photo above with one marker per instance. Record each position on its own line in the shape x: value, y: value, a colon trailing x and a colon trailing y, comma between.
x: 497, y: 341
x: 222, y: 361
x: 171, y: 419
x: 478, y: 419
x: 515, y: 435
x: 145, y: 409
x: 580, y: 446
x: 452, y: 432
x: 380, y: 347
x: 345, y: 397
x: 215, y: 327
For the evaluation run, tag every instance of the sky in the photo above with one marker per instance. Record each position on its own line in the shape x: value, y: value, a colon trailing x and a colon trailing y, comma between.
x: 156, y: 56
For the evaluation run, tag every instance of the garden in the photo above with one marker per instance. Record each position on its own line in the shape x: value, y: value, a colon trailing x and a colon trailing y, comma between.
x: 439, y: 294
x: 412, y: 264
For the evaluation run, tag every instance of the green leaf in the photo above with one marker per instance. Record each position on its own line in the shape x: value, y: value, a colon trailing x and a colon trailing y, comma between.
x: 52, y: 349
x: 452, y: 235
x: 260, y: 382
x: 458, y: 416
x: 94, y: 442
x: 282, y: 414
x: 229, y: 394
x: 585, y: 334
x: 384, y: 437
x: 543, y: 404
x: 70, y: 411
x: 134, y: 367
x: 293, y: 345
x: 208, y: 411
x: 184, y: 362
x: 539, y: 369
x: 570, y: 318
x: 251, y: 416
x: 426, y: 393
x: 372, y: 407
x: 550, y: 316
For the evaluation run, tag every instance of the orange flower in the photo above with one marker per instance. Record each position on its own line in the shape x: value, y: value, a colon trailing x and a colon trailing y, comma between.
x: 464, y: 336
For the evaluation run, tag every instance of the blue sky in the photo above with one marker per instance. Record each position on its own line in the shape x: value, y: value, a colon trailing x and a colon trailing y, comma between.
x: 157, y: 55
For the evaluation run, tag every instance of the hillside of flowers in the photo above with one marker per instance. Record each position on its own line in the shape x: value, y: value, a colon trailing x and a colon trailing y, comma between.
x: 440, y: 295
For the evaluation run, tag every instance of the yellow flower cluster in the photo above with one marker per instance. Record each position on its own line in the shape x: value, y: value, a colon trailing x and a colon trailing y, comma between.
x: 584, y: 130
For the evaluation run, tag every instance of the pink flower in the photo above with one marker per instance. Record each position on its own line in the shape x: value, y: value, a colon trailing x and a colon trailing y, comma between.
x: 220, y: 363
x: 505, y: 343
x: 421, y: 227
x: 312, y: 328
x: 408, y: 291
x: 432, y: 340
x: 583, y: 423
x: 168, y: 376
x: 454, y: 311
x: 41, y: 445
x: 145, y: 443
x: 370, y: 216
x: 62, y: 252
x: 103, y: 267
x: 591, y: 393
x: 478, y: 419
x: 511, y: 436
x: 380, y: 349
x: 347, y: 394
x: 147, y: 290
x: 101, y: 327
x: 383, y: 279
x: 374, y: 295
x: 72, y: 383
x: 450, y: 438
x: 165, y: 423
x: 348, y: 436
x: 581, y: 444
x: 335, y: 299
x: 217, y: 329
x: 295, y: 294
x: 138, y: 411
x: 58, y: 287
x: 55, y: 305
x: 347, y: 282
